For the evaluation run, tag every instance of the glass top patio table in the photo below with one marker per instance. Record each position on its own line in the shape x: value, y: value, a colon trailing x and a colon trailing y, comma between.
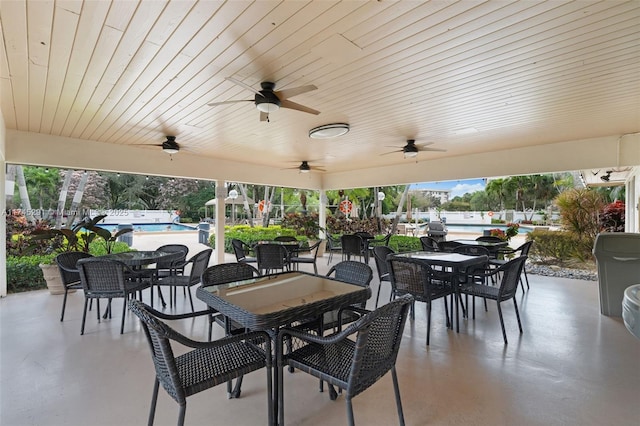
x: 141, y: 258
x: 271, y: 301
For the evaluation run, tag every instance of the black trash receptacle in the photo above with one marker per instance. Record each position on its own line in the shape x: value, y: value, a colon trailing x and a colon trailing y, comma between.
x: 203, y: 233
x: 128, y: 237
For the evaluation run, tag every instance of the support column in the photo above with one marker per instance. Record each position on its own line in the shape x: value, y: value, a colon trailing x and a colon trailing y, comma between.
x: 221, y: 194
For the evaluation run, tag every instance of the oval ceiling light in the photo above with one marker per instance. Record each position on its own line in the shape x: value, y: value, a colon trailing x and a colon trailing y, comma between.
x: 329, y: 131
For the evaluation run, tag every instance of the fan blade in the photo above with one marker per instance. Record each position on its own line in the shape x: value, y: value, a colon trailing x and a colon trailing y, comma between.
x: 264, y: 116
x: 392, y: 152
x: 246, y: 86
x: 292, y: 105
x: 294, y: 91
x: 230, y: 102
x: 424, y: 144
x: 433, y: 149
x: 318, y: 169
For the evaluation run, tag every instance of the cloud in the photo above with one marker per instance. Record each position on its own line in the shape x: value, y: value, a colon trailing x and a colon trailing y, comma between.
x: 460, y: 189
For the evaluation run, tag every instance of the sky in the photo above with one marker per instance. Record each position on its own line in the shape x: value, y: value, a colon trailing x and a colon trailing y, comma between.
x: 458, y: 187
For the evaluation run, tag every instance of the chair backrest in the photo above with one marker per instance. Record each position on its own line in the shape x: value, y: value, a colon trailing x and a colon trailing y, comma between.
x: 227, y: 273
x: 238, y: 249
x: 429, y: 244
x: 333, y: 243
x: 315, y: 248
x: 199, y: 263
x: 524, y: 248
x: 271, y: 256
x: 351, y: 244
x: 409, y: 276
x: 472, y: 250
x: 352, y: 272
x: 489, y: 239
x: 67, y: 265
x: 510, y: 277
x: 285, y: 239
x: 377, y: 342
x: 448, y: 246
x: 172, y: 248
x: 380, y: 254
x: 102, y: 277
x: 158, y: 334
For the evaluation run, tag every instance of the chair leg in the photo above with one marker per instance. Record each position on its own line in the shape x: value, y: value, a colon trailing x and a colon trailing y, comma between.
x: 377, y: 297
x: 154, y: 400
x: 350, y: 419
x: 428, y: 321
x: 64, y: 303
x: 124, y: 313
x: 183, y: 409
x: 84, y: 316
x: 396, y: 390
x: 515, y: 305
x: 524, y: 271
x: 504, y: 333
x: 188, y: 290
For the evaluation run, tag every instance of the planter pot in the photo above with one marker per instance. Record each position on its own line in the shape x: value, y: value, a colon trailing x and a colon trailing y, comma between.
x: 52, y: 277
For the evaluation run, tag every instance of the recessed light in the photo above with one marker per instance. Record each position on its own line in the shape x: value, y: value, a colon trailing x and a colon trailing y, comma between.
x: 329, y: 131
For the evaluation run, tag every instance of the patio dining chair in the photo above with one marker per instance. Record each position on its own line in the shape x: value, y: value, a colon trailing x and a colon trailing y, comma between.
x: 503, y: 256
x: 271, y: 258
x: 353, y: 359
x: 67, y: 265
x: 167, y: 267
x: 380, y: 255
x: 353, y: 245
x: 296, y: 259
x: 333, y: 245
x: 429, y: 243
x: 410, y: 276
x: 240, y: 250
x: 107, y: 279
x: 206, y: 365
x: 196, y: 266
x: 510, y: 274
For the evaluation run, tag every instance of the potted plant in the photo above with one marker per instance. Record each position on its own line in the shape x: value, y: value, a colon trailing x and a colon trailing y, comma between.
x: 77, y: 238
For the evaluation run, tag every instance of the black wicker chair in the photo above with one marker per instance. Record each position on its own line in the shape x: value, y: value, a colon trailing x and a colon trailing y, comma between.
x: 380, y: 255
x: 510, y: 273
x: 448, y: 246
x: 353, y: 245
x: 352, y: 365
x: 333, y: 245
x: 240, y: 249
x: 489, y: 239
x: 224, y: 273
x: 429, y: 244
x: 167, y: 267
x: 198, y: 263
x: 507, y: 253
x: 410, y: 276
x: 67, y: 265
x: 311, y: 260
x: 107, y: 279
x: 271, y: 258
x: 207, y: 365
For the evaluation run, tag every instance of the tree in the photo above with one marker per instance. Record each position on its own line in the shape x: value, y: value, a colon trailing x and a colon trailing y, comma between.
x: 498, y: 189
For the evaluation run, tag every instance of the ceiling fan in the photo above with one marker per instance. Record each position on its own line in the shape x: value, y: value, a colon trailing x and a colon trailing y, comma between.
x: 304, y: 167
x: 267, y: 100
x: 411, y: 150
x: 170, y: 146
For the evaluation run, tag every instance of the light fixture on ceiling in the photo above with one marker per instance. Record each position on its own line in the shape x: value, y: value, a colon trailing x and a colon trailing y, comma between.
x: 170, y: 146
x: 170, y: 150
x: 267, y: 106
x: 410, y: 154
x: 329, y: 131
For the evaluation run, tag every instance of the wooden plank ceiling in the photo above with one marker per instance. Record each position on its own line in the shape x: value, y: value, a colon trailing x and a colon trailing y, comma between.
x: 468, y: 76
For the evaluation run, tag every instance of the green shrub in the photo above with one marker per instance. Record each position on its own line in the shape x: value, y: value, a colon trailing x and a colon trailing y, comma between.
x: 561, y: 246
x: 24, y: 273
x: 403, y: 243
x: 252, y: 235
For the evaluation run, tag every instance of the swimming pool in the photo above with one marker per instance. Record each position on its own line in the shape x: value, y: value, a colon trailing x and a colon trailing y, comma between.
x: 479, y: 229
x: 152, y: 227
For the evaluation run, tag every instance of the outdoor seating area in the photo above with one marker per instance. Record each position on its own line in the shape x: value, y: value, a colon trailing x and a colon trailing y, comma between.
x: 540, y: 339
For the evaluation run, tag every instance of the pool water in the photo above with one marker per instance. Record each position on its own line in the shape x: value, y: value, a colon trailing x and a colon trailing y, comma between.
x: 152, y: 227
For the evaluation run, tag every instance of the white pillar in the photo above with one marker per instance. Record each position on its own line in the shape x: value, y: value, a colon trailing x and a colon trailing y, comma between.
x: 221, y: 193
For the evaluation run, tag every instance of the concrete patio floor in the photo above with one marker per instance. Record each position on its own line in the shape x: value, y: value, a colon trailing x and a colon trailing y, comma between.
x: 571, y: 366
